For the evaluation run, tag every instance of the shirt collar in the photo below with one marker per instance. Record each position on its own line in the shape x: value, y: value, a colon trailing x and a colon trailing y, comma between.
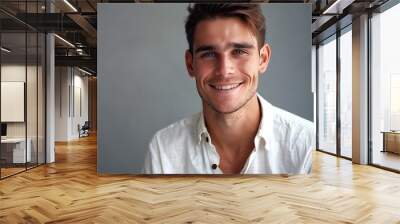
x: 201, y: 128
x: 265, y: 129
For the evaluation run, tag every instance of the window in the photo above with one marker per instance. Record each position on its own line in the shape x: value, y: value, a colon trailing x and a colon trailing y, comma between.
x: 327, y: 95
x: 346, y: 92
x: 385, y: 88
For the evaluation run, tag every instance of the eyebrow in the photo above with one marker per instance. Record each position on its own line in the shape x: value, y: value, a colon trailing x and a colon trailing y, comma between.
x: 243, y: 45
x: 204, y: 48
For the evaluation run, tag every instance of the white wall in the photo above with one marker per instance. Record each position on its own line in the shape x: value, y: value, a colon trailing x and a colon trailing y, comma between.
x: 80, y: 108
x: 70, y: 83
x: 62, y: 80
x: 16, y: 73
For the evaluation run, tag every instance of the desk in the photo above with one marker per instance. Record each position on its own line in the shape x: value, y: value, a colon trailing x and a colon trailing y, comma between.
x: 391, y: 141
x: 15, y: 148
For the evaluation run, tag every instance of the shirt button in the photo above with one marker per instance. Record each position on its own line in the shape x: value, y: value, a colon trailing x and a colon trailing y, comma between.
x: 214, y: 166
x: 207, y: 140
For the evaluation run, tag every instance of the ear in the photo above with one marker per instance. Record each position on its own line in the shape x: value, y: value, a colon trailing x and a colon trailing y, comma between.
x: 265, y: 56
x: 189, y: 63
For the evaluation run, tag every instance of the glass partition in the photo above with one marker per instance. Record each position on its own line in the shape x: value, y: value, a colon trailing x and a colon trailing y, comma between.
x: 22, y: 88
x: 41, y: 85
x: 32, y: 94
x: 14, y: 153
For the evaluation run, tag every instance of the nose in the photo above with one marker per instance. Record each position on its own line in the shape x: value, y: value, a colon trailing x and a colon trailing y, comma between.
x: 225, y: 65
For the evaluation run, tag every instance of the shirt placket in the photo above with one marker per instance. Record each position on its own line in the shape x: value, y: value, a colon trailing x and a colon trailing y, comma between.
x: 213, y: 156
x: 252, y: 156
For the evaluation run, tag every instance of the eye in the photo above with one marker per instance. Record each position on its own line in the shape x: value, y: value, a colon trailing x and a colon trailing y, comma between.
x: 208, y: 54
x: 239, y: 52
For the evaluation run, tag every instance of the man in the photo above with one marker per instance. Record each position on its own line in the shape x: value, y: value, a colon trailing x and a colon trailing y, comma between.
x: 238, y: 131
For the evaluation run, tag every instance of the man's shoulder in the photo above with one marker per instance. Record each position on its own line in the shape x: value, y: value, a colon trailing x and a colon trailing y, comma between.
x: 292, y: 120
x: 297, y: 138
x: 282, y: 119
x: 294, y: 125
x: 180, y: 130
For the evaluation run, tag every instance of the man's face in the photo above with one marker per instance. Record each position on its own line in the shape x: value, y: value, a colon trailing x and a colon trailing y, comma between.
x: 226, y: 63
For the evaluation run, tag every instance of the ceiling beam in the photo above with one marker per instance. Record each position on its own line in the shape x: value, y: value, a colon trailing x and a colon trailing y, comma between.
x: 86, y: 27
x: 84, y: 61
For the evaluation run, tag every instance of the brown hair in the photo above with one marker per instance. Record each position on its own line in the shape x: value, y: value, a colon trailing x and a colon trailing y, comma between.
x: 249, y: 13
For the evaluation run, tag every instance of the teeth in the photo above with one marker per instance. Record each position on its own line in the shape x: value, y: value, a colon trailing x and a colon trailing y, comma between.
x: 226, y: 87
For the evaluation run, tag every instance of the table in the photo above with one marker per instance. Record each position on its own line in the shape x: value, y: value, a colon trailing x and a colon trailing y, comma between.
x: 391, y: 141
x: 13, y: 150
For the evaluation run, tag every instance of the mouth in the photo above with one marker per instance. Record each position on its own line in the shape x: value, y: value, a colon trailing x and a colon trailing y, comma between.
x: 225, y: 87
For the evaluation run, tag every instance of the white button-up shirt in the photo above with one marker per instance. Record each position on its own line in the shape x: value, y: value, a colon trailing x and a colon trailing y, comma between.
x: 283, y: 145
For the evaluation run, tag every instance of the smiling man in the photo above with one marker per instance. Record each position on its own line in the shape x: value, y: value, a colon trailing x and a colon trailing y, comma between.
x: 238, y: 132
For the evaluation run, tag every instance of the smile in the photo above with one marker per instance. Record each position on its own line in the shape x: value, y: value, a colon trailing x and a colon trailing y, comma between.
x: 225, y: 87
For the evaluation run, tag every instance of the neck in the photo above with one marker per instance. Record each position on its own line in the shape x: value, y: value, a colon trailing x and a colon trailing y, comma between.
x: 234, y: 131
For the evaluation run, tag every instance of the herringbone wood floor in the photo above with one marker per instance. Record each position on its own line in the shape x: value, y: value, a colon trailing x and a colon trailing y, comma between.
x: 70, y: 191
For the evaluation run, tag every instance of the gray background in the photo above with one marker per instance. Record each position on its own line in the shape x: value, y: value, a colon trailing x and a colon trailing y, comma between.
x: 143, y: 84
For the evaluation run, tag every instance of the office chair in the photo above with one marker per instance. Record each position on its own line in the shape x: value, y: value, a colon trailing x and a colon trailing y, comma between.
x: 84, y: 130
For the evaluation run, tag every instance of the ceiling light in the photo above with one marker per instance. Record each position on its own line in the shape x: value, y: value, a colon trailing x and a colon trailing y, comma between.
x: 338, y: 6
x: 5, y: 50
x: 84, y: 71
x: 70, y: 5
x: 329, y: 9
x: 79, y: 51
x: 64, y: 40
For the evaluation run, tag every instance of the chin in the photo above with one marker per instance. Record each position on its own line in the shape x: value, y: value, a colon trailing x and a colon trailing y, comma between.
x: 226, y: 109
